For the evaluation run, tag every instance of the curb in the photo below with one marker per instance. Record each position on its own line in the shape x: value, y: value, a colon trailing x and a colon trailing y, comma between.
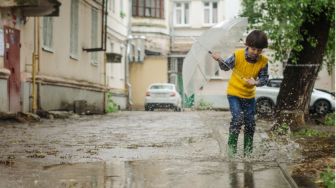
x: 289, y: 178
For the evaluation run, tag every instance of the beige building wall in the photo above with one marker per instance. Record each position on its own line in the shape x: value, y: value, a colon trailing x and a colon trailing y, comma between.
x: 57, y: 62
x: 153, y: 70
x: 62, y: 78
x: 117, y: 31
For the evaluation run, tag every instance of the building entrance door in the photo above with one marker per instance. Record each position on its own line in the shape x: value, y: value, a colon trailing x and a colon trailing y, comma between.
x: 12, y: 63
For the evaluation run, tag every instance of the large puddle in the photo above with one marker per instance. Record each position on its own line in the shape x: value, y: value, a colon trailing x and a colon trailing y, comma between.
x: 138, y: 150
x: 146, y: 174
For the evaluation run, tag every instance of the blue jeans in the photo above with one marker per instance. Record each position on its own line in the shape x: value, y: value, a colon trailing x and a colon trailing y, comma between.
x: 242, y: 111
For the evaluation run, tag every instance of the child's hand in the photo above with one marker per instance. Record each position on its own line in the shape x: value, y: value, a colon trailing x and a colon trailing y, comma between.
x: 251, y: 81
x: 216, y: 56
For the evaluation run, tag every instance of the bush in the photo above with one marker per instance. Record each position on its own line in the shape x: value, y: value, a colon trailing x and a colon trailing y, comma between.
x: 328, y: 178
x: 329, y: 119
x: 203, y: 105
x: 282, y: 129
x: 111, y: 105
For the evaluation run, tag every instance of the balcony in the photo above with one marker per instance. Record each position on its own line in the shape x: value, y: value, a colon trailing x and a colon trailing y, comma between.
x: 32, y: 8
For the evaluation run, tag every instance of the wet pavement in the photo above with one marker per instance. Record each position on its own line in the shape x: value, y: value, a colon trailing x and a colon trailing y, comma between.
x: 138, y: 149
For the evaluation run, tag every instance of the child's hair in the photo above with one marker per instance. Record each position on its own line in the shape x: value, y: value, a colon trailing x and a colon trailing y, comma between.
x: 257, y: 39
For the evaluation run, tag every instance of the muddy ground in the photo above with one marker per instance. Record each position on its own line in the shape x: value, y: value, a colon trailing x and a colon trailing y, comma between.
x: 317, y: 152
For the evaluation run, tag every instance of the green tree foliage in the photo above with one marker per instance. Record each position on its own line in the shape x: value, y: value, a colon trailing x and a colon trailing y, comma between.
x: 301, y: 32
x: 282, y: 20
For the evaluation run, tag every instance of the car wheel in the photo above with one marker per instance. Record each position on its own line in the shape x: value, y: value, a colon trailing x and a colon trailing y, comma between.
x: 149, y: 108
x: 322, y: 107
x: 264, y: 106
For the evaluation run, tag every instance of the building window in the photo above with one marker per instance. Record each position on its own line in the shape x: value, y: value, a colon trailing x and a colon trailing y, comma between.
x: 47, y: 33
x: 94, y: 35
x: 112, y: 6
x: 121, y: 5
x: 74, y: 29
x: 148, y: 8
x: 210, y: 12
x: 181, y: 13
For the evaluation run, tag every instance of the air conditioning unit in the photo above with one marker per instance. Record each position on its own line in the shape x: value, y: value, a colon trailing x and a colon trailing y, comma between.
x: 137, y: 49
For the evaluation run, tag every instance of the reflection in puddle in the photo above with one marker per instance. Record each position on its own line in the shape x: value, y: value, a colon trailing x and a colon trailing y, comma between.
x: 236, y: 176
x: 148, y: 174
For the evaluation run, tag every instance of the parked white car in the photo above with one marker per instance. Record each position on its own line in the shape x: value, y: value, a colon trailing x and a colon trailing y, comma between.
x: 162, y: 95
x: 321, y: 102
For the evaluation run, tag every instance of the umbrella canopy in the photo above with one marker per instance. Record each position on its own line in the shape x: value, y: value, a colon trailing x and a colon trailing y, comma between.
x: 222, y: 38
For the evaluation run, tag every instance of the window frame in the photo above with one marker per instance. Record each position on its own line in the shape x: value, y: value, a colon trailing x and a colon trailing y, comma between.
x: 140, y: 10
x: 183, y: 14
x: 48, y: 39
x: 74, y: 28
x: 210, y: 8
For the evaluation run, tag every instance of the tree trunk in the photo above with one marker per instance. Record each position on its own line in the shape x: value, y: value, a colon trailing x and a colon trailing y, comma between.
x: 299, y: 78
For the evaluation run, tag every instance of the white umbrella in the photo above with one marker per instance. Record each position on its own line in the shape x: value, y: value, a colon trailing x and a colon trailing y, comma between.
x: 222, y: 38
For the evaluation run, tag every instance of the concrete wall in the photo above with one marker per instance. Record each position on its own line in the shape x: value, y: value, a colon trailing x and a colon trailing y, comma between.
x: 4, y: 106
x: 121, y: 100
x: 25, y: 96
x: 153, y: 70
x: 214, y: 101
x: 61, y: 98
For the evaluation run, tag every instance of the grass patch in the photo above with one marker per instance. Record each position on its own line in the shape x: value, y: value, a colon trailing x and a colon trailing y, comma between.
x: 310, y: 133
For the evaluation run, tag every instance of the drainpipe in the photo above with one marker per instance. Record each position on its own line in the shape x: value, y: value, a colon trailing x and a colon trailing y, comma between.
x: 35, y: 59
x: 105, y: 84
x: 103, y: 40
x: 128, y: 85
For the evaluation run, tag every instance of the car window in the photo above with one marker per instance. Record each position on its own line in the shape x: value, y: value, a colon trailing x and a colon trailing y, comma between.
x: 274, y: 83
x: 170, y: 87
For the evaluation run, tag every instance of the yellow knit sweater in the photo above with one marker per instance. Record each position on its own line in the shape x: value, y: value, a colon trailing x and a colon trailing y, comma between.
x: 243, y: 70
